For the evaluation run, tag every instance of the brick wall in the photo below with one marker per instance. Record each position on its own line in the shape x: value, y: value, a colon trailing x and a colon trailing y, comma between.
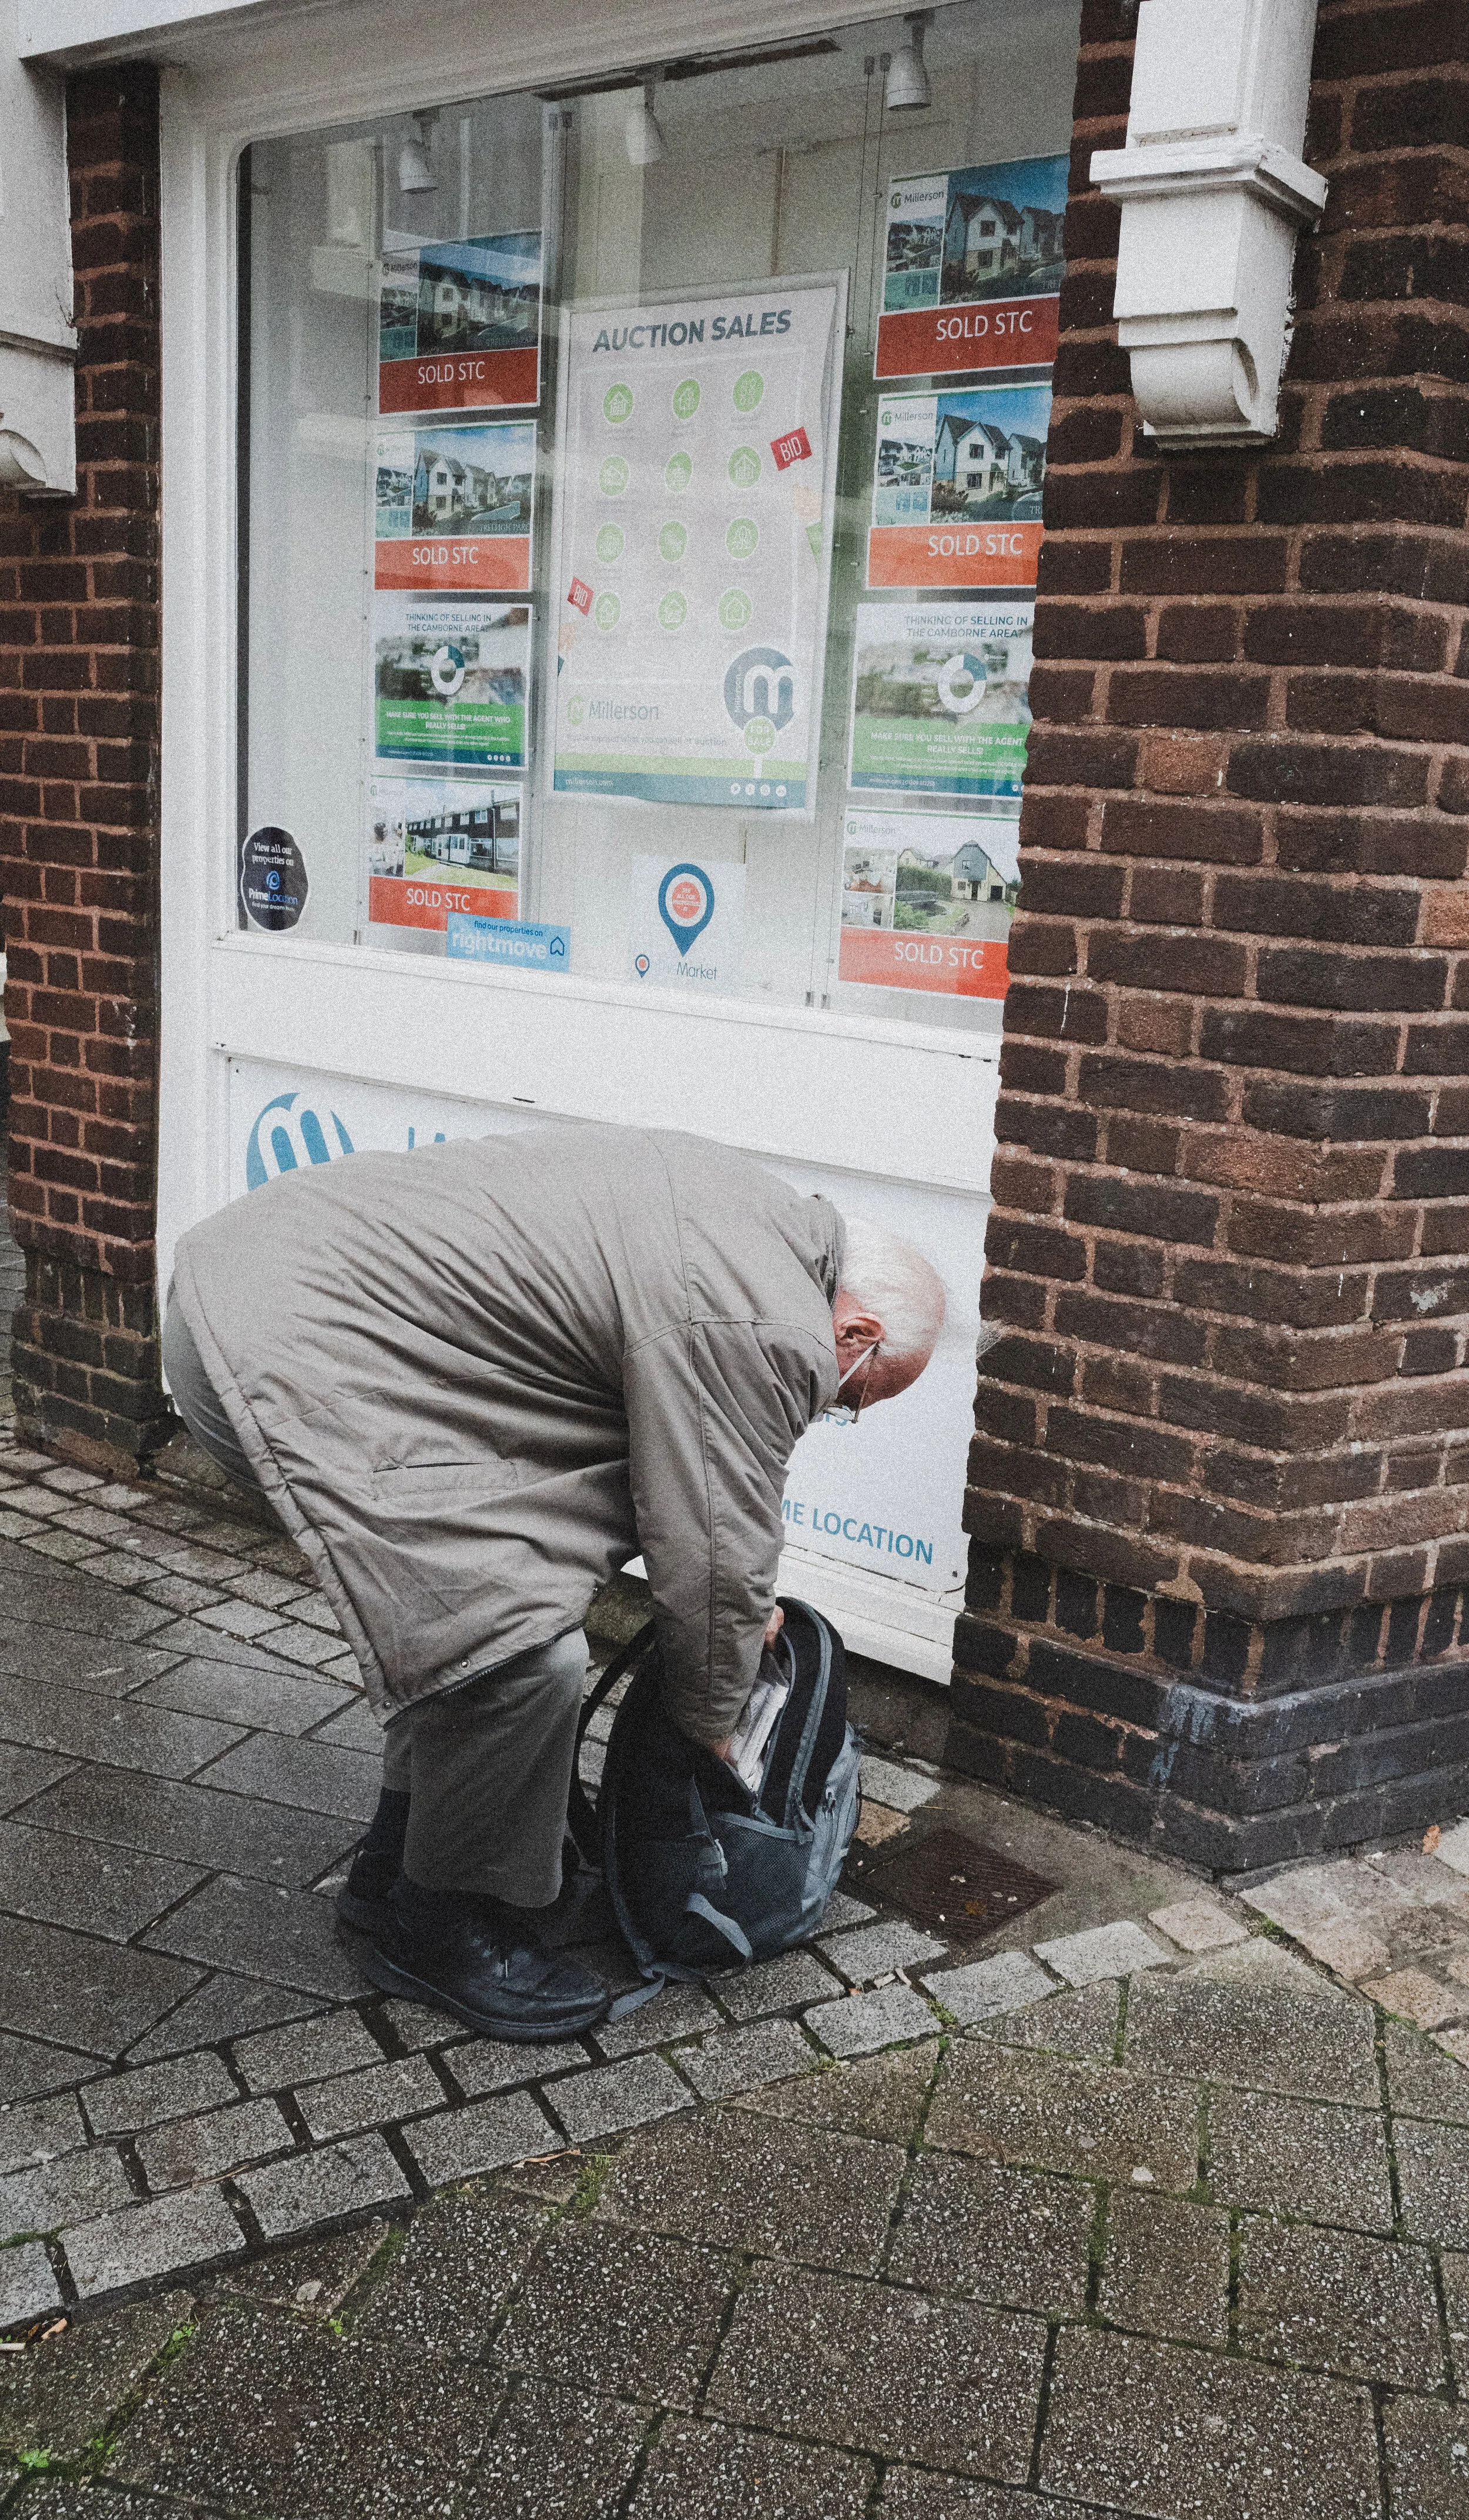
x: 1220, y: 1488
x: 78, y: 823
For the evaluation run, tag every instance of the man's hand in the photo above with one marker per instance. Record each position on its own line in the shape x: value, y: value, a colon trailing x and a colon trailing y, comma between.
x: 772, y: 1627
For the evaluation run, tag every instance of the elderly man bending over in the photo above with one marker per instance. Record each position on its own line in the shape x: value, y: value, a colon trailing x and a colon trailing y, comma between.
x: 473, y: 1381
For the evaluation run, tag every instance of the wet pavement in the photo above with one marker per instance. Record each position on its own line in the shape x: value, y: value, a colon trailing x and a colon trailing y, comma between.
x: 1049, y: 2178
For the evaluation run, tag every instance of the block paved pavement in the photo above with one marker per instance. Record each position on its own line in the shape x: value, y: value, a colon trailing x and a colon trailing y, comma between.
x: 1154, y: 2201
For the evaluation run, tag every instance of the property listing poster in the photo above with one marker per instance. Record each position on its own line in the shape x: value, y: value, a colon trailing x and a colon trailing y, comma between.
x: 972, y: 269
x: 459, y: 324
x: 940, y: 704
x: 694, y: 548
x: 452, y: 508
x: 956, y: 488
x: 450, y: 677
x: 436, y: 846
x: 926, y: 902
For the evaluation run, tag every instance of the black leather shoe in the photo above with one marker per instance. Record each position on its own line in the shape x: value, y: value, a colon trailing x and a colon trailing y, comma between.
x: 482, y: 1964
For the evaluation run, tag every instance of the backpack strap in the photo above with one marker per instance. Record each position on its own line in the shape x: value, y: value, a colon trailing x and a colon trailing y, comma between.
x: 581, y: 1819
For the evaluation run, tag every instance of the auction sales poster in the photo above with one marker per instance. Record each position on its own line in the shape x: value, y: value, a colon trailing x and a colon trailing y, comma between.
x: 450, y: 682
x: 436, y: 845
x: 956, y: 488
x: 453, y: 508
x: 459, y: 324
x: 940, y: 698
x: 972, y: 269
x: 696, y: 486
x: 926, y: 902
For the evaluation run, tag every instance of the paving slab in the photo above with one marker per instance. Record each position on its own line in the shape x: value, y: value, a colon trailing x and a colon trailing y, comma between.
x: 702, y: 2471
x: 626, y: 2312
x: 1427, y: 2459
x: 313, y: 2278
x: 334, y: 2426
x: 306, y: 1775
x: 141, y: 2242
x: 1418, y: 1998
x: 1283, y: 2156
x: 736, y: 2060
x: 286, y: 1937
x: 870, y: 1952
x: 1422, y: 2080
x: 27, y: 2284
x: 911, y: 2493
x: 223, y: 2008
x: 306, y: 2050
x: 38, y: 2130
x: 50, y: 2197
x: 81, y: 1992
x: 187, y: 2149
x: 1257, y: 2016
x: 479, y: 2066
x: 1103, y: 1951
x: 309, y: 2188
x: 1433, y: 2180
x: 871, y: 2367
x: 557, y: 2451
x: 859, y: 2024
x: 1013, y: 2236
x: 194, y: 1825
x: 101, y: 1890
x: 58, y: 2394
x: 1167, y: 2268
x: 605, y: 2099
x: 903, y: 1789
x: 29, y: 2065
x: 1095, y: 2121
x: 883, y: 2097
x: 486, y: 2135
x: 775, y: 1986
x: 1159, y: 2429
x: 120, y: 2103
x: 1341, y: 2301
x: 274, y: 1700
x: 25, y: 1773
x: 377, y: 2095
x: 1082, y: 2022
x: 678, y: 2012
x: 446, y: 2288
x: 737, y: 2181
x: 981, y: 1989
x: 1198, y: 1925
x: 40, y: 1716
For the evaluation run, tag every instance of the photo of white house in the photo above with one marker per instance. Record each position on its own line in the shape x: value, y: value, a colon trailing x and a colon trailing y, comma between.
x: 1003, y: 231
x: 975, y: 454
x: 479, y: 294
x: 445, y: 480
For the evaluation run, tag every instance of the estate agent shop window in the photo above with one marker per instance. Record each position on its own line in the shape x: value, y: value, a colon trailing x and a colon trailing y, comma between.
x: 640, y: 507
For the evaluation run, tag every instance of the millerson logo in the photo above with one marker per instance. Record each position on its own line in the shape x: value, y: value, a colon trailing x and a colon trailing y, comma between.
x: 285, y: 1139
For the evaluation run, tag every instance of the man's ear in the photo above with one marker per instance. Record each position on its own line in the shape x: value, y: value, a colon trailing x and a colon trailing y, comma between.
x: 858, y: 1327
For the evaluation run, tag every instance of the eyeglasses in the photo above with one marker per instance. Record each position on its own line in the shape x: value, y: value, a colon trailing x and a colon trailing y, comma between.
x: 845, y: 1413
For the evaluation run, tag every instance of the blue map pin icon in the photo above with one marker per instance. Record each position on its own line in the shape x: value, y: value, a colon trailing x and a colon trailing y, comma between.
x: 685, y: 905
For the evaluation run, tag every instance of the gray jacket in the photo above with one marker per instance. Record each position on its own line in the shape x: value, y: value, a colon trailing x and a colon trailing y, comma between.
x: 477, y: 1379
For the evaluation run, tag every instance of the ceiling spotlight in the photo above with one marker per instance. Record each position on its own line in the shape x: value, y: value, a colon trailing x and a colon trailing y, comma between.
x: 646, y: 143
x: 908, y: 89
x: 414, y: 173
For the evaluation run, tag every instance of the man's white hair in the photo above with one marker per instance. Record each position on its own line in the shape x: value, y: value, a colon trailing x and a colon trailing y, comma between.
x: 890, y: 1277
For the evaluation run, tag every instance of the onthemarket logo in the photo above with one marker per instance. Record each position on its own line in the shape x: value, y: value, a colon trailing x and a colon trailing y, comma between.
x: 285, y: 1139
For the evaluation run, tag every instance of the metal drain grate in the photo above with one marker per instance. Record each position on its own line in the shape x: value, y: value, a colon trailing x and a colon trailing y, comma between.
x: 948, y: 1883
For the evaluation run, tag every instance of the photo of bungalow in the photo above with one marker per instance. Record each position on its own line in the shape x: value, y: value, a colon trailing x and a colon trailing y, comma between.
x: 933, y: 892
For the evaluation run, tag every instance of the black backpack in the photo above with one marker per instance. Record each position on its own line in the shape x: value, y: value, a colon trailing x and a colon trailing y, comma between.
x: 703, y: 1872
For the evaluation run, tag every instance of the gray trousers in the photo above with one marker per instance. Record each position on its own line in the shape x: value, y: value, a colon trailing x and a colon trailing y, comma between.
x: 486, y: 1765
